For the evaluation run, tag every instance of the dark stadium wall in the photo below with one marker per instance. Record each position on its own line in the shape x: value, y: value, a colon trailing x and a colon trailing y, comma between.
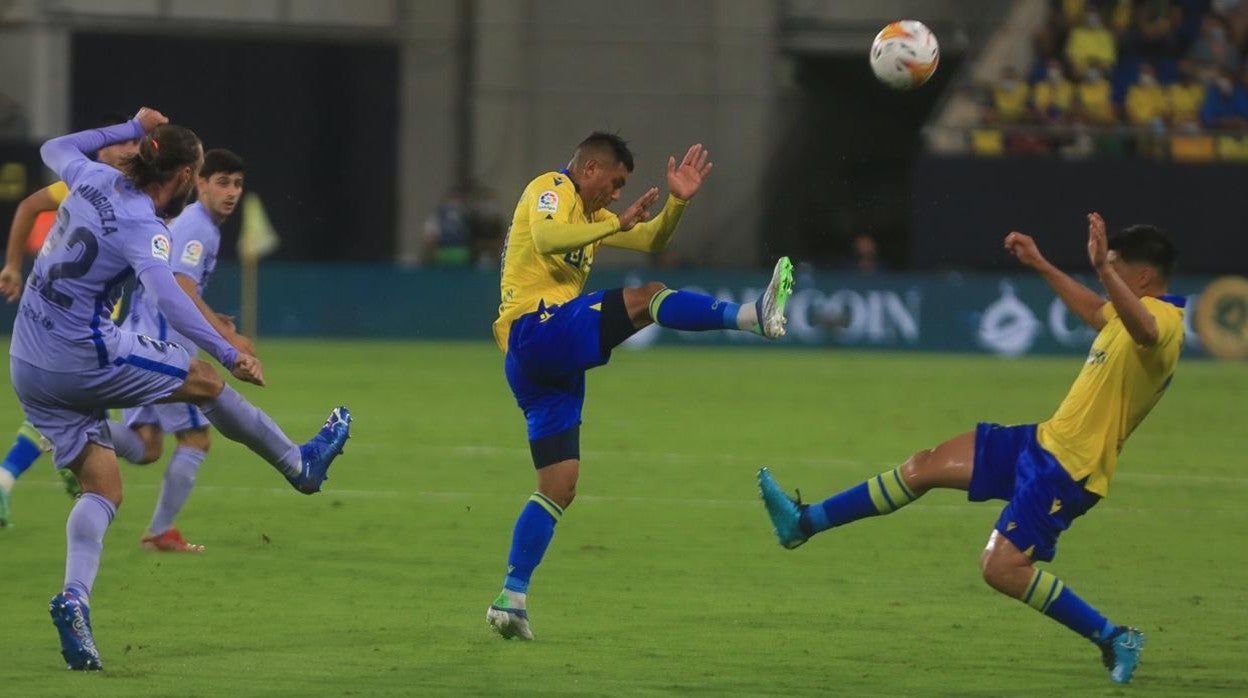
x: 961, y: 209
x: 845, y: 143
x: 316, y: 122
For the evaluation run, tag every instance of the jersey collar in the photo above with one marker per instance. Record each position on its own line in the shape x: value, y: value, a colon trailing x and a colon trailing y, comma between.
x: 1176, y: 301
x: 564, y: 171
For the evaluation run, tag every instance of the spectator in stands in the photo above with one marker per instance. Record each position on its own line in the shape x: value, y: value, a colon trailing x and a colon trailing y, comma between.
x: 1185, y: 99
x: 1053, y: 96
x: 486, y: 228
x: 1146, y: 100
x: 1226, y: 104
x: 865, y: 255
x: 447, y: 235
x: 1152, y: 34
x: 1213, y: 51
x: 1093, y: 98
x: 1009, y: 98
x: 1091, y: 42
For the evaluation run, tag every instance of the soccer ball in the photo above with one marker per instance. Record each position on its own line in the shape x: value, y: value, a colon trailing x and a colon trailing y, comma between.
x: 904, y: 54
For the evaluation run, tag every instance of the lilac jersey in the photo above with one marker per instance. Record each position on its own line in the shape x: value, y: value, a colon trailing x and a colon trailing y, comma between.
x: 106, y: 232
x: 195, y: 239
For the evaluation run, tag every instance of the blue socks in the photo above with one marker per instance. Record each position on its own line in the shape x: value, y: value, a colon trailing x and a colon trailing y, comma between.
x: 24, y: 453
x: 1049, y: 595
x: 882, y: 494
x: 686, y: 310
x: 534, y: 529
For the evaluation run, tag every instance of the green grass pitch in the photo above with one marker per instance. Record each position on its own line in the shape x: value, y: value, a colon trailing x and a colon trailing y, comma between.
x: 664, y: 577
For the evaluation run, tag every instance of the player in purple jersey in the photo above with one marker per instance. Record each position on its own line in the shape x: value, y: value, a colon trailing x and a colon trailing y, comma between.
x: 69, y: 362
x: 29, y: 444
x: 195, y: 238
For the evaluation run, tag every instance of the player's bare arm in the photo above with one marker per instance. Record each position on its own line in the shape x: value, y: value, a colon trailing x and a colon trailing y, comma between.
x: 225, y: 329
x: 1080, y: 299
x: 247, y: 368
x: 1140, y: 323
x: 19, y: 233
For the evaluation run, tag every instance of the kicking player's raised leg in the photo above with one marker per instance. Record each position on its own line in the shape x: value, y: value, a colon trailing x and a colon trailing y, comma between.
x: 687, y: 310
x: 948, y: 465
x: 305, y: 467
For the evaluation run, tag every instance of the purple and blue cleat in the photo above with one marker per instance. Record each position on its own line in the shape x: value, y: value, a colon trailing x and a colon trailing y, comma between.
x: 72, y: 619
x: 318, y: 453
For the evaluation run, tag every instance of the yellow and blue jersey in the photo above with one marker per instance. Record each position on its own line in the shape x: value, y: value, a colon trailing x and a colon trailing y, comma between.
x: 530, y: 277
x: 1120, y: 383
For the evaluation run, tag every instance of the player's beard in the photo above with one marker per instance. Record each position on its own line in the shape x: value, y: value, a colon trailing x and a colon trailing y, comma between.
x: 176, y: 204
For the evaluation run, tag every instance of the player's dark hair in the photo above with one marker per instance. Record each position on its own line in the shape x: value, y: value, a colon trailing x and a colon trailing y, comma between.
x: 223, y: 161
x: 601, y: 140
x: 162, y: 152
x: 1145, y: 243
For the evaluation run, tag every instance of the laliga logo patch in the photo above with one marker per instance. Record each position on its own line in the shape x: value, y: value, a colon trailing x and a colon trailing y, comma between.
x: 160, y: 247
x: 192, y: 253
x: 548, y: 202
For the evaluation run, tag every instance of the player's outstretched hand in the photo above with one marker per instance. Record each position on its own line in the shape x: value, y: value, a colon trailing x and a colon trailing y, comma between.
x: 247, y: 368
x: 685, y: 180
x: 11, y: 283
x: 1098, y: 241
x: 1024, y: 248
x: 639, y: 210
x: 242, y: 344
x: 150, y: 118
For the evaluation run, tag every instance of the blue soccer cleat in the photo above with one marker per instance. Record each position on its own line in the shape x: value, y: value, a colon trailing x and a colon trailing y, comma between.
x: 72, y: 619
x: 318, y: 453
x: 785, y: 512
x: 507, y: 621
x: 1121, y: 653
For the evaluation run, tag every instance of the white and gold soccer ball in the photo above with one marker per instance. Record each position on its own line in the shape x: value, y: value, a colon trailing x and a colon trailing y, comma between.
x: 904, y: 54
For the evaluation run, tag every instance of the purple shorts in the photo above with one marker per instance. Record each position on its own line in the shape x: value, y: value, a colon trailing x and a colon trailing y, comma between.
x: 171, y: 417
x: 69, y: 408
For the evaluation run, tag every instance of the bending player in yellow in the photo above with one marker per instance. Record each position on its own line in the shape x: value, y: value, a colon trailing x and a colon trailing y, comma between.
x: 551, y: 334
x: 1055, y: 471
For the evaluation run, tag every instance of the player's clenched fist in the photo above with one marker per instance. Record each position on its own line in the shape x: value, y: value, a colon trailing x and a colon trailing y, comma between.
x: 1024, y: 248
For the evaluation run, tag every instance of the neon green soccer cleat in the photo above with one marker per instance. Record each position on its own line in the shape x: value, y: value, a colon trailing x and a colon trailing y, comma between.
x: 770, y: 306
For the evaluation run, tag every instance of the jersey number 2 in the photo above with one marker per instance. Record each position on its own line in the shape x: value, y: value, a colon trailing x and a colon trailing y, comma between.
x: 71, y: 269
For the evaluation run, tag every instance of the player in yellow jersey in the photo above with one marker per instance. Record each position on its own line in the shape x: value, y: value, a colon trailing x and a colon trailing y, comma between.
x: 551, y: 334
x: 1053, y: 472
x: 30, y: 444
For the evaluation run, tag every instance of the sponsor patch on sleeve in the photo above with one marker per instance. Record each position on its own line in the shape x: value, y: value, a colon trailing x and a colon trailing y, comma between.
x: 192, y: 253
x: 160, y: 247
x: 548, y: 202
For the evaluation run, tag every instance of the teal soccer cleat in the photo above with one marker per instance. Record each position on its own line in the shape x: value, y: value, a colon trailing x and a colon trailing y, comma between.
x: 318, y: 453
x: 1121, y: 653
x: 72, y: 619
x: 770, y: 305
x: 785, y: 512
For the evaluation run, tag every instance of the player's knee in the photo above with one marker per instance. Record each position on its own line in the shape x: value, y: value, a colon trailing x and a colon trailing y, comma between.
x: 197, y: 439
x: 203, y: 384
x: 917, y: 471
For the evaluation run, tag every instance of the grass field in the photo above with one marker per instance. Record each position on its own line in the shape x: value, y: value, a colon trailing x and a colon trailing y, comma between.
x: 664, y: 577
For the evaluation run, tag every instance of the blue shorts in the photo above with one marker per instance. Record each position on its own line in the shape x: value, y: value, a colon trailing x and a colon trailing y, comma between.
x: 1043, y: 499
x: 548, y: 353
